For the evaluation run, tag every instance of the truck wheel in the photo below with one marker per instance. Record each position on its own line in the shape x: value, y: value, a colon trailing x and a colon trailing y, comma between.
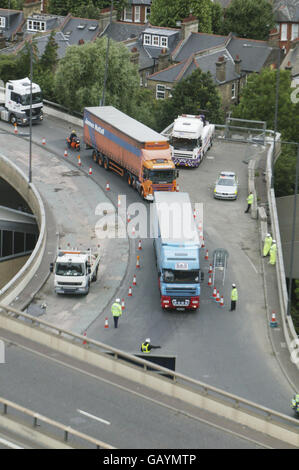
x: 100, y: 160
x: 129, y: 179
x: 12, y: 119
x: 94, y: 156
x: 142, y: 192
x: 106, y: 164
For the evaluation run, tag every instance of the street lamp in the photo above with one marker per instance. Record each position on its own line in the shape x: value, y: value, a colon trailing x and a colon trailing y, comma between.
x: 102, y: 101
x: 30, y: 120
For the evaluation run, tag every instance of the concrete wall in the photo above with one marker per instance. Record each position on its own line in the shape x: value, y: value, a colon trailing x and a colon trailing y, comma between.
x: 9, y: 268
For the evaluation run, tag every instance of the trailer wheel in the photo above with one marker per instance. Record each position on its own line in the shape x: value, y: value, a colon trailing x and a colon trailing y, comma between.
x: 100, y: 160
x: 12, y: 119
x: 106, y: 164
x: 129, y: 179
x: 94, y: 156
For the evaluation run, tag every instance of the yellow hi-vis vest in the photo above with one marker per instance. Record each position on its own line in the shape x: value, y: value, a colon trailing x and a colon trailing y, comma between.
x: 273, y: 250
x: 267, y: 245
x: 145, y: 348
x: 116, y: 309
x: 250, y: 199
x: 234, y: 294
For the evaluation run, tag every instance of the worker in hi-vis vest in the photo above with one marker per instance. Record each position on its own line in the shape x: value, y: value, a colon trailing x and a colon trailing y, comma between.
x: 147, y: 346
x: 233, y: 298
x: 273, y: 251
x: 267, y: 244
x: 249, y: 201
x: 116, y: 311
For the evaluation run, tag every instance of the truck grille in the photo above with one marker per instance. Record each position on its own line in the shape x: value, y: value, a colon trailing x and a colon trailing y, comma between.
x: 162, y: 187
x: 182, y: 155
x: 35, y: 111
x: 69, y: 283
x: 183, y: 290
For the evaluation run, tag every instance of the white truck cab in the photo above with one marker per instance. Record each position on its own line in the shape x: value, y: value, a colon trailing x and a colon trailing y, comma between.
x: 16, y: 108
x: 74, y: 271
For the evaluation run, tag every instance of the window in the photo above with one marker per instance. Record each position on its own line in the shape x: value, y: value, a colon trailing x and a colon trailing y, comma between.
x: 137, y: 14
x: 128, y: 13
x: 2, y: 21
x: 233, y: 91
x: 284, y: 32
x: 147, y: 14
x: 155, y: 41
x: 295, y: 31
x: 147, y: 39
x: 164, y: 41
x: 147, y: 73
x: 33, y: 25
x: 160, y: 92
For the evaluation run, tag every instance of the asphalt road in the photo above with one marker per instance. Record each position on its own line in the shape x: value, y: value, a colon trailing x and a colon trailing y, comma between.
x: 230, y: 350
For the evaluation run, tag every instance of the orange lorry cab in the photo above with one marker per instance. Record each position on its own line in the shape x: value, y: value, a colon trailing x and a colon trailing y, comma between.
x: 130, y: 149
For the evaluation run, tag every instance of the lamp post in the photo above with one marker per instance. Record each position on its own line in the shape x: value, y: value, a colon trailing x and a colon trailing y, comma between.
x: 102, y: 101
x: 30, y: 120
x: 275, y: 113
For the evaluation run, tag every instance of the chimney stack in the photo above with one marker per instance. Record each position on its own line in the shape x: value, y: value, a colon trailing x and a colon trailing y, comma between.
x: 238, y: 65
x: 163, y: 60
x: 189, y: 25
x: 220, y: 69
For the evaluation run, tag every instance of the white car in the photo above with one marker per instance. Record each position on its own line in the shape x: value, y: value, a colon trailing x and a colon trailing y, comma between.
x: 226, y: 186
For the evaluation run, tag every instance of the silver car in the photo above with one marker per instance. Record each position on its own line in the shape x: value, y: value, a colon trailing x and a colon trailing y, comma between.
x: 226, y: 186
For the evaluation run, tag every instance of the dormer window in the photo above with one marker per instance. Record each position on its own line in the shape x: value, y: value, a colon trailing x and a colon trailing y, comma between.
x: 36, y: 25
x: 164, y: 41
x: 155, y: 40
x: 147, y: 40
x: 2, y: 21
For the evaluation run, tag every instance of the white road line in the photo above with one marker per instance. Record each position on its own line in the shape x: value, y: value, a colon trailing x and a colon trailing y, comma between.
x: 251, y: 262
x: 93, y: 417
x: 76, y: 306
x: 9, y: 444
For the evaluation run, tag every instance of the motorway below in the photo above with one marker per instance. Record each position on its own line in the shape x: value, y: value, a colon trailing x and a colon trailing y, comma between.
x: 230, y: 350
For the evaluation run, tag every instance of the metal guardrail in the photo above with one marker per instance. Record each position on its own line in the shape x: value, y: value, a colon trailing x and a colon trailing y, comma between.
x: 148, y: 367
x: 38, y: 419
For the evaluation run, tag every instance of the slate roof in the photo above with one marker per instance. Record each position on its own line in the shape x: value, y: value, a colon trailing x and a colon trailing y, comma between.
x: 253, y: 53
x: 14, y: 20
x: 141, y: 2
x: 292, y: 57
x: 197, y: 42
x: 286, y: 10
x: 121, y: 31
x: 80, y: 28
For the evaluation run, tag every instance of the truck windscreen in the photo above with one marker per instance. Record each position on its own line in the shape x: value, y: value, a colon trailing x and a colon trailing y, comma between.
x: 161, y: 176
x: 36, y: 98
x: 173, y: 276
x: 184, y: 144
x: 70, y: 269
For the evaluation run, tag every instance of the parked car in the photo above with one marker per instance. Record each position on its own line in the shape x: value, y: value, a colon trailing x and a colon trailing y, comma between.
x: 226, y: 186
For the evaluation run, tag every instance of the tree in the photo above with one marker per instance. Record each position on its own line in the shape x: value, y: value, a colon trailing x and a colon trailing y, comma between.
x: 284, y: 172
x: 13, y: 4
x: 249, y: 18
x: 80, y: 75
x: 202, y: 10
x: 217, y: 18
x: 83, y: 8
x: 8, y: 67
x: 167, y: 13
x: 196, y: 94
x: 46, y: 66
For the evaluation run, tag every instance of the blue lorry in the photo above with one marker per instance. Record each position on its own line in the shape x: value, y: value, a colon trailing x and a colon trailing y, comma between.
x: 177, y: 249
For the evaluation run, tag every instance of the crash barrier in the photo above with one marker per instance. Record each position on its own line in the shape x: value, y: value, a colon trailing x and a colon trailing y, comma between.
x: 287, y: 322
x: 42, y: 430
x: 181, y: 387
x: 17, y: 179
x: 251, y: 187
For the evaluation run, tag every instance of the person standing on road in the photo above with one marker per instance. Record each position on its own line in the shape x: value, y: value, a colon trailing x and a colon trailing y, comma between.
x: 146, y: 347
x: 273, y: 251
x: 267, y: 245
x: 233, y: 298
x: 249, y: 201
x: 116, y: 311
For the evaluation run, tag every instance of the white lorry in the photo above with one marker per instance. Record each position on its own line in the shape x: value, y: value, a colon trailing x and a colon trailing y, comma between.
x: 16, y: 107
x: 190, y: 138
x: 74, y: 271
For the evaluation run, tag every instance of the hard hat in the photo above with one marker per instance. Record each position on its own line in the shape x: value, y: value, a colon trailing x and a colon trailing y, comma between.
x: 117, y: 300
x: 268, y: 235
x: 273, y: 241
x: 233, y: 285
x: 74, y: 132
x: 148, y: 340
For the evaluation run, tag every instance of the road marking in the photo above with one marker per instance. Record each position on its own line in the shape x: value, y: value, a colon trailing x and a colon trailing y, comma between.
x: 250, y: 262
x: 10, y: 444
x: 77, y: 305
x: 93, y: 417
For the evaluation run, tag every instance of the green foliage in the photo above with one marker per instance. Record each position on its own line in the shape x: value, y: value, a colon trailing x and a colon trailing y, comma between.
x: 249, y: 18
x: 8, y: 67
x: 80, y: 76
x: 12, y: 4
x: 217, y: 18
x: 202, y: 9
x: 197, y: 92
x: 83, y: 8
x: 284, y: 172
x: 295, y: 305
x: 166, y: 13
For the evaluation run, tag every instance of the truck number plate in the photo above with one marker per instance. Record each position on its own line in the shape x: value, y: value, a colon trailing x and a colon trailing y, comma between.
x: 183, y: 266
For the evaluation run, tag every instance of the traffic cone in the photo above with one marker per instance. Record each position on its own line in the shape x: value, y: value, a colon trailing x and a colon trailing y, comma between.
x: 79, y: 161
x: 194, y: 214
x: 199, y: 227
x: 134, y: 280
x: 15, y: 128
x: 130, y: 292
x: 221, y: 301
x: 217, y: 297
x: 122, y: 304
x: 138, y: 262
x: 44, y: 141
x: 106, y: 323
x: 273, y: 322
x: 118, y: 201
x: 210, y: 280
x: 128, y: 218
x: 207, y: 255
x: 214, y: 293
x: 203, y: 243
x: 133, y: 231
x: 177, y: 188
x: 139, y: 245
x: 90, y: 171
x: 107, y: 187
x: 210, y: 269
x: 65, y: 153
x: 84, y: 334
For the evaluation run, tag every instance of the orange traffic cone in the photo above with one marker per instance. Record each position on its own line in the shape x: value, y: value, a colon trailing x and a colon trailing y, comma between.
x: 177, y: 188
x: 128, y: 218
x: 210, y: 280
x: 203, y: 243
x: 65, y: 153
x: 106, y: 323
x: 90, y: 171
x: 118, y: 201
x: 134, y: 280
x: 15, y: 128
x: 273, y: 322
x: 138, y: 262
x: 214, y: 293
x: 44, y: 141
x: 107, y: 187
x: 194, y: 214
x: 130, y: 292
x: 207, y: 255
x: 139, y: 245
x: 217, y: 297
x: 84, y: 334
x: 210, y: 269
x: 122, y: 304
x: 221, y: 301
x: 133, y: 231
x: 79, y: 161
